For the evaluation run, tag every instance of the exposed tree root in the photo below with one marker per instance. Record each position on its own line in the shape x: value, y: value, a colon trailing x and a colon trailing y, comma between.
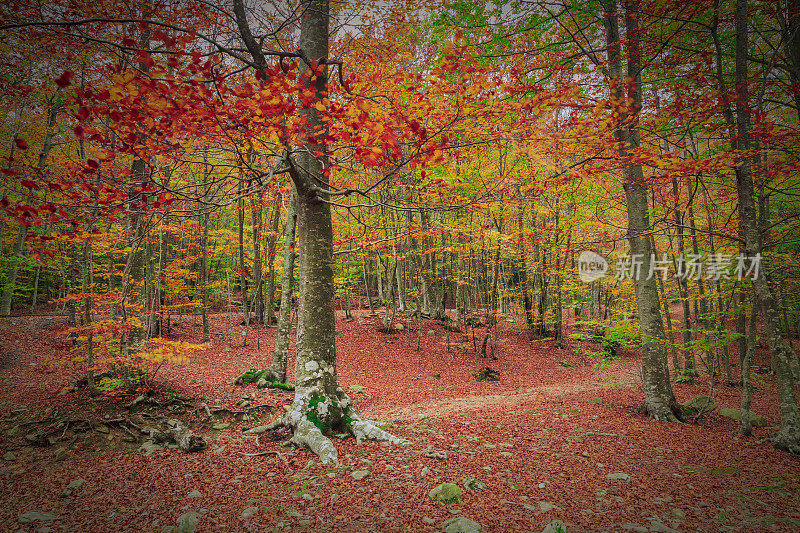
x: 787, y: 440
x: 176, y: 432
x: 661, y: 412
x: 313, y: 416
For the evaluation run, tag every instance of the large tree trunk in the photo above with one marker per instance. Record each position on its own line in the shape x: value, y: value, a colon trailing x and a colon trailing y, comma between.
x: 659, y: 400
x: 320, y: 405
x: 788, y: 437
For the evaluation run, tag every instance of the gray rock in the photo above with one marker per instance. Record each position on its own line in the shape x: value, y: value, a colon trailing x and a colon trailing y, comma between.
x: 699, y: 403
x: 187, y: 522
x: 661, y: 527
x: 678, y: 513
x: 755, y: 419
x: 431, y: 332
x: 72, y: 487
x: 220, y: 426
x: 461, y: 524
x: 148, y: 447
x: 555, y: 526
x: 425, y: 471
x: 249, y: 512
x: 195, y: 494
x: 9, y: 456
x: 428, y: 520
x: 618, y: 476
x: 60, y: 454
x: 360, y: 474
x: 30, y: 516
x: 446, y: 493
x: 473, y: 484
x: 442, y: 456
x: 547, y: 506
x: 594, y: 400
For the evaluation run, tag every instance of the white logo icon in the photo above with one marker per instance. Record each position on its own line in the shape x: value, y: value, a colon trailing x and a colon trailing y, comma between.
x: 591, y: 266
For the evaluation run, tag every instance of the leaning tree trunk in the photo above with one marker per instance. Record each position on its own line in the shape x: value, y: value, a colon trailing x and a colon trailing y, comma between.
x: 659, y: 400
x: 788, y: 437
x: 320, y: 405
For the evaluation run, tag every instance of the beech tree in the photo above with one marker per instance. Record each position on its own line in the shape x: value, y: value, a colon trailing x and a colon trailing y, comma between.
x: 659, y: 401
x: 320, y: 405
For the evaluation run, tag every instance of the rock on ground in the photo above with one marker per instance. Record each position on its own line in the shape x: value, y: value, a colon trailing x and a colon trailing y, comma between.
x: 461, y: 524
x: 755, y: 419
x: 446, y: 493
x: 556, y: 526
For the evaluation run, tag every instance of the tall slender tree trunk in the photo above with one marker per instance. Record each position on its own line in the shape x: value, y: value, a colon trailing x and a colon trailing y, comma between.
x: 788, y: 437
x: 242, y: 269
x: 659, y: 400
x: 281, y: 354
x: 379, y: 278
x: 272, y: 239
x: 256, y: 207
x: 689, y: 370
x: 11, y: 280
x: 204, y: 259
x: 523, y: 267
x: 667, y: 316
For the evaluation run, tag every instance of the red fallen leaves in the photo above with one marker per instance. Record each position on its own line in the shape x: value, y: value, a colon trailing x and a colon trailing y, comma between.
x: 546, y: 438
x: 21, y: 143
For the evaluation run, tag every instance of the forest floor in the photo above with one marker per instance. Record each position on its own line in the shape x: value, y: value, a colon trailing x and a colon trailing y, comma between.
x: 555, y: 438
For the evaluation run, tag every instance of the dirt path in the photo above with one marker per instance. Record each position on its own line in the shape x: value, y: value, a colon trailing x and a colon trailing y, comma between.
x: 502, y: 401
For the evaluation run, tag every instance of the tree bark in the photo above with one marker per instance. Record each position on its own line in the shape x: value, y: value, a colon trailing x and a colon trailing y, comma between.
x: 320, y: 404
x: 659, y: 400
x: 281, y: 354
x: 272, y: 239
x: 256, y: 206
x: 788, y: 437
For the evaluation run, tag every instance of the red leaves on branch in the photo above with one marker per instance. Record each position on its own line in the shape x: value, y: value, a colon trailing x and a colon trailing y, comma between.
x: 21, y: 143
x: 65, y: 79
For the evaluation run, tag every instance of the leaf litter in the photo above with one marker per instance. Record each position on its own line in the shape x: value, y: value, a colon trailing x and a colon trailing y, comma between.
x: 544, y: 442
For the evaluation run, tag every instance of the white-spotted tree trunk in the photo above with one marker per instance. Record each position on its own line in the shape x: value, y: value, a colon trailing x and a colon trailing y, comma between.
x: 320, y: 405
